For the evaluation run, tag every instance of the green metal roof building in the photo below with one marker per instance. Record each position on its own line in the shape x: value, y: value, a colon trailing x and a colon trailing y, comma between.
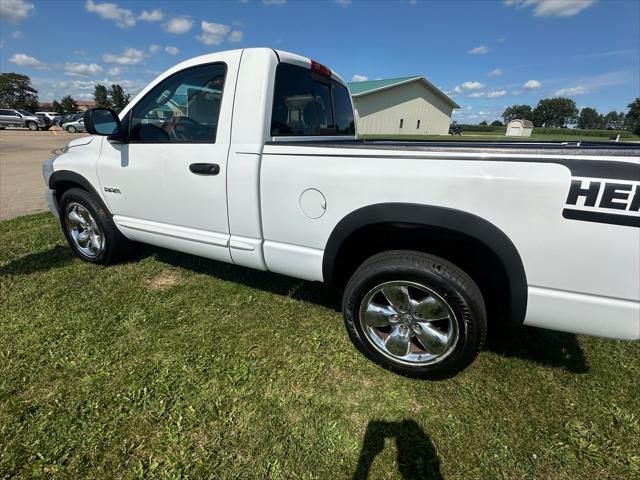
x: 405, y: 105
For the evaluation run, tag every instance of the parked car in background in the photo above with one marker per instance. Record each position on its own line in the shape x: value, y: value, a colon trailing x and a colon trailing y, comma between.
x: 74, y: 126
x: 48, y: 123
x: 455, y: 130
x: 70, y: 117
x: 54, y: 117
x: 10, y: 117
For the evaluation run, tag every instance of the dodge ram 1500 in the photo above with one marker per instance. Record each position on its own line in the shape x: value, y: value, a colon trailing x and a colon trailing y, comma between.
x: 251, y: 157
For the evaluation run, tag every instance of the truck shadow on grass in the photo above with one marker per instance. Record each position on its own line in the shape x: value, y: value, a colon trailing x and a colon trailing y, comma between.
x: 544, y: 347
x: 416, y: 455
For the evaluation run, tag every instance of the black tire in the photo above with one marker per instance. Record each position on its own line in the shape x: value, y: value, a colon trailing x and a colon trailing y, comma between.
x: 33, y: 126
x: 71, y: 129
x: 452, y: 284
x: 116, y: 245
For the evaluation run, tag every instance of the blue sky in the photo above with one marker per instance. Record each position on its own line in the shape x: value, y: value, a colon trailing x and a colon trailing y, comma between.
x: 485, y: 54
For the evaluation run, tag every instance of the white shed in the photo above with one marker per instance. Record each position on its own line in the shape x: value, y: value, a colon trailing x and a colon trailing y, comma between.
x: 519, y: 128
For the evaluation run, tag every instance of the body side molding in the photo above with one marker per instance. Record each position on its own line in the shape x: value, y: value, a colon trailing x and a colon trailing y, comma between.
x: 450, y: 219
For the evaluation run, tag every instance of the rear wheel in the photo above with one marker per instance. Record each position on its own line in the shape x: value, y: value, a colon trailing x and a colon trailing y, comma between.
x: 33, y: 126
x: 89, y: 229
x: 415, y: 314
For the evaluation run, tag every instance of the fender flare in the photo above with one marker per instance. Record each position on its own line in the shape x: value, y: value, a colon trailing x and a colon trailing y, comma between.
x: 445, y: 218
x: 60, y: 176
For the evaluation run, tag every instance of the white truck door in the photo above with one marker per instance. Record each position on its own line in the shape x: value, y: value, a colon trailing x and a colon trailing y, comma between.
x: 167, y: 185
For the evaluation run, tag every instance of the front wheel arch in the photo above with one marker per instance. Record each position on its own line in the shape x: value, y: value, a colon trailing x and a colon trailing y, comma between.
x: 63, y: 180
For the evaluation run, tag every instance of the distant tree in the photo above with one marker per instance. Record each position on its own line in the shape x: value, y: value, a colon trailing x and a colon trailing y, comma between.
x: 16, y: 91
x: 632, y: 119
x: 483, y: 123
x: 101, y: 96
x: 497, y: 123
x: 68, y: 105
x: 555, y: 112
x: 614, y: 120
x: 521, y: 112
x: 589, y: 118
x: 56, y: 107
x: 118, y: 98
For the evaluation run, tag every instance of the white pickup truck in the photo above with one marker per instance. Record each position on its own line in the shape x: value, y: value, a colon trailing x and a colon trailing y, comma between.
x: 250, y: 157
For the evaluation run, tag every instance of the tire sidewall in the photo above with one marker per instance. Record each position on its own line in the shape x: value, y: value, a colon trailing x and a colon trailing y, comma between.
x: 71, y: 129
x: 32, y: 126
x: 83, y: 198
x: 462, y: 306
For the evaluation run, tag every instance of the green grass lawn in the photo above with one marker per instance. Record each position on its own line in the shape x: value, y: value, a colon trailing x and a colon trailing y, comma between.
x: 493, y: 137
x: 171, y: 366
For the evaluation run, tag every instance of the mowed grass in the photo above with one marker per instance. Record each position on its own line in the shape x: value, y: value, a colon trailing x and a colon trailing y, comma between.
x: 500, y: 137
x: 170, y: 366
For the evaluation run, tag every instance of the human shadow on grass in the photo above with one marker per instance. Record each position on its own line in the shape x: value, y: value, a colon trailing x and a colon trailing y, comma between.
x: 55, y: 257
x: 416, y: 455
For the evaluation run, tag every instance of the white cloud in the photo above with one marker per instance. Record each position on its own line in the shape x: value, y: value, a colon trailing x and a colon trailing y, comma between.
x: 572, y: 91
x: 531, y: 84
x: 213, y: 33
x: 343, y: 3
x: 116, y: 71
x: 495, y: 73
x: 155, y: 15
x: 24, y: 60
x: 129, y: 56
x: 82, y: 69
x: 471, y: 86
x: 235, y: 36
x: 15, y: 10
x: 500, y: 40
x: 153, y: 49
x: 359, y: 78
x: 496, y: 94
x: 477, y: 94
x: 17, y: 34
x: 178, y: 25
x: 172, y: 50
x: 552, y: 8
x: 274, y: 2
x: 123, y: 17
x: 480, y: 50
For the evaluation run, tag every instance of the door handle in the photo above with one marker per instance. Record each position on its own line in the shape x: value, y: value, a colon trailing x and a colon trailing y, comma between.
x: 205, y: 168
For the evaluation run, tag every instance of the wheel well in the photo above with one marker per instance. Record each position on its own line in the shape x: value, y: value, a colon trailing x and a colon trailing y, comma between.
x: 468, y: 253
x: 62, y: 186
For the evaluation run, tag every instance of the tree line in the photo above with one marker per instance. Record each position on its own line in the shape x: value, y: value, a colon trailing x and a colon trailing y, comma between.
x: 17, y: 92
x: 561, y: 111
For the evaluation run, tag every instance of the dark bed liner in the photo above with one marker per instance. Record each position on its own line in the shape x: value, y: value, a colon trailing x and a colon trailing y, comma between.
x: 624, y: 149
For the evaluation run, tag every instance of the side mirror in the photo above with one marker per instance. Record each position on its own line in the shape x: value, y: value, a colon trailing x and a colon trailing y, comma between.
x: 104, y: 121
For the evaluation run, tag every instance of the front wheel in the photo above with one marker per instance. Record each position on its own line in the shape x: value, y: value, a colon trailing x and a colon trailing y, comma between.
x: 33, y: 126
x: 415, y: 314
x: 89, y: 229
x: 71, y: 129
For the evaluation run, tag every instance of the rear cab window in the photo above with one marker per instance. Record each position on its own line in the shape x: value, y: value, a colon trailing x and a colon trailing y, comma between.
x: 309, y: 104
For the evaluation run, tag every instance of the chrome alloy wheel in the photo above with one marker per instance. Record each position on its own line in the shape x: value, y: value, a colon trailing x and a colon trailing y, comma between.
x: 408, y: 323
x: 84, y: 230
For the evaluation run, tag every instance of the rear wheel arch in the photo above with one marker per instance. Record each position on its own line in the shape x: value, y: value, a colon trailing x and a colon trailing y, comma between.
x: 437, y: 230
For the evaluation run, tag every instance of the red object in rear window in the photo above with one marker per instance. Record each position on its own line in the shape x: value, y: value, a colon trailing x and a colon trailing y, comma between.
x: 320, y: 69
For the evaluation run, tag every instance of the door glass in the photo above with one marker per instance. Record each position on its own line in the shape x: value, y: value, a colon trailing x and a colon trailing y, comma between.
x: 182, y: 108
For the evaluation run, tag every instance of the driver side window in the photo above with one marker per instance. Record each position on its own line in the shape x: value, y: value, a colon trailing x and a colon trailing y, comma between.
x: 182, y: 108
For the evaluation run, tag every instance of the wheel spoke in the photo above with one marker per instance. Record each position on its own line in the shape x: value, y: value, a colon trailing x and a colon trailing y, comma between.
x: 397, y: 296
x: 96, y: 242
x: 379, y: 315
x: 83, y: 238
x: 433, y: 340
x: 430, y: 309
x: 399, y: 340
x: 74, y: 217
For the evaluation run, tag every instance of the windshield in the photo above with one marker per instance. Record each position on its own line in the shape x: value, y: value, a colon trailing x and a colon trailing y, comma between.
x: 25, y: 113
